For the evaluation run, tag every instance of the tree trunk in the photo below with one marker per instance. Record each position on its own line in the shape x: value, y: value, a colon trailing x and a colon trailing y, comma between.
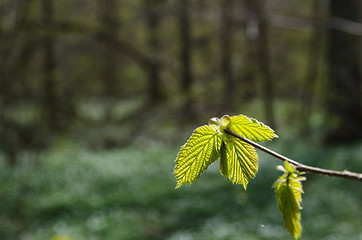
x: 186, y: 57
x: 50, y: 87
x: 226, y: 35
x: 153, y: 24
x: 344, y: 102
x: 249, y: 69
x: 264, y: 62
x: 11, y: 67
x: 107, y: 17
x: 308, y: 86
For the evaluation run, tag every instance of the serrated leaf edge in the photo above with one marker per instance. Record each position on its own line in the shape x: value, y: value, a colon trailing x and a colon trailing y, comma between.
x: 214, y: 154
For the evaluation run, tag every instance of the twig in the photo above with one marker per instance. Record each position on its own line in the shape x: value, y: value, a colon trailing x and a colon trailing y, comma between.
x: 299, y: 166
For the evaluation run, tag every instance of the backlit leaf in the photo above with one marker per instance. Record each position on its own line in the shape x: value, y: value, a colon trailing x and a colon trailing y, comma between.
x: 242, y: 162
x: 251, y: 128
x: 197, y: 154
x: 288, y: 189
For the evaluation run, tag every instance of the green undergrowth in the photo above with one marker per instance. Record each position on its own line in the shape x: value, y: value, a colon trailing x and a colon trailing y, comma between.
x: 84, y: 194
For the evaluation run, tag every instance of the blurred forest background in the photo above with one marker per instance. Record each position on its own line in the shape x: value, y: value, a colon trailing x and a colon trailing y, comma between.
x: 97, y: 96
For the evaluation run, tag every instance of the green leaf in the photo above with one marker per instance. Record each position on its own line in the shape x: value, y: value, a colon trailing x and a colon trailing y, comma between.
x: 289, y: 207
x: 251, y: 128
x: 288, y: 189
x: 197, y: 154
x: 242, y: 162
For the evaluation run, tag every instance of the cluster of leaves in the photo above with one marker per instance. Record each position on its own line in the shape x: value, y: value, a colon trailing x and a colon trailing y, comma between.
x: 238, y: 161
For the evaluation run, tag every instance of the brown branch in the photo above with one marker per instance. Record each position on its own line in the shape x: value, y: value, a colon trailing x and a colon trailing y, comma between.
x: 299, y: 166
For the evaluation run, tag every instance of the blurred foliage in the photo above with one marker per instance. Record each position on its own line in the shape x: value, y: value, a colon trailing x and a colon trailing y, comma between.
x: 129, y: 194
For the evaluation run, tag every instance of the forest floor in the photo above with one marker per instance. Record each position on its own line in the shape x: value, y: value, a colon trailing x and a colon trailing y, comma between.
x: 73, y: 192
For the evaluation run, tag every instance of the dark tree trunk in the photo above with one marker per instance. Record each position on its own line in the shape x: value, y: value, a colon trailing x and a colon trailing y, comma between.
x: 344, y: 102
x: 186, y: 56
x: 226, y: 35
x: 308, y: 86
x: 153, y: 23
x: 108, y: 20
x: 262, y: 40
x: 8, y: 139
x: 248, y: 70
x: 50, y: 86
x: 11, y: 75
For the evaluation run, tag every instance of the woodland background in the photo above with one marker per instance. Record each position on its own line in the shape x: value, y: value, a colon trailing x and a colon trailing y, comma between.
x: 97, y: 96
